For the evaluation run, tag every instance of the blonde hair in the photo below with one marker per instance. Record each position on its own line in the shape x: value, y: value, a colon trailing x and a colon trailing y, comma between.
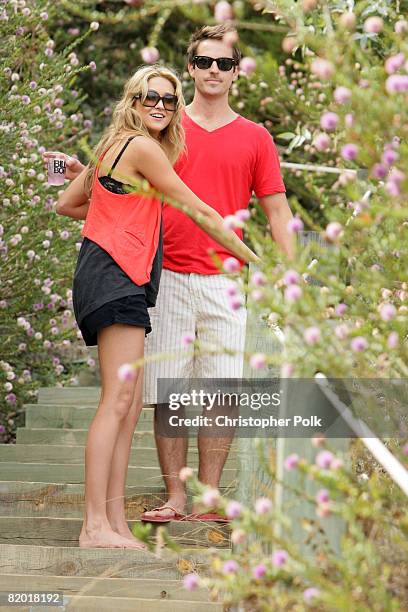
x: 126, y: 119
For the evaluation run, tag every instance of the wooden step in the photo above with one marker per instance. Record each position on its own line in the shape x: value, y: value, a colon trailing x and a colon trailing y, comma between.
x: 71, y: 417
x: 146, y: 588
x: 68, y: 395
x: 67, y: 500
x: 72, y: 437
x: 51, y: 531
x: 53, y: 453
x: 124, y: 604
x: 75, y: 473
x: 115, y: 563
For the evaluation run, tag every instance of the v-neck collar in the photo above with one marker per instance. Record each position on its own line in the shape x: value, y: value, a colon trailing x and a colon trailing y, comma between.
x: 211, y: 131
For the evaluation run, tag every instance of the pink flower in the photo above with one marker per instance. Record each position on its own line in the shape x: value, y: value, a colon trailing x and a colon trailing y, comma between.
x: 279, y: 558
x: 126, y: 372
x: 233, y: 509
x: 387, y: 312
x: 322, y: 496
x: 187, y: 339
x: 293, y: 293
x: 322, y: 68
x: 329, y: 121
x: 317, y: 441
x: 324, y: 459
x: 359, y: 344
x: 243, y: 214
x: 340, y: 309
x: 291, y: 462
x: 342, y: 95
x: 348, y: 120
x: 231, y: 290
x: 257, y: 361
x: 295, y: 225
x: 247, y: 65
x: 333, y: 231
x: 312, y: 335
x: 291, y: 277
x: 235, y: 302
x: 223, y: 11
x: 393, y: 340
x: 230, y: 222
x: 238, y: 536
x: 349, y: 152
x: 401, y: 26
x: 263, y: 505
x: 286, y: 370
x: 211, y: 498
x: 310, y: 594
x: 396, y: 83
x: 258, y: 279
x: 323, y: 509
x: 379, y: 171
x: 150, y: 55
x: 341, y: 331
x: 322, y: 142
x: 259, y: 571
x: 230, y: 567
x: 389, y: 157
x: 191, y: 582
x: 394, y: 63
x: 185, y: 473
x: 231, y: 264
x: 373, y: 25
x: 405, y: 449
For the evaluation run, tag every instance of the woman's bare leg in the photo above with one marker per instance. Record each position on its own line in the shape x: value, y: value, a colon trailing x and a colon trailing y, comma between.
x: 115, y: 507
x: 117, y: 344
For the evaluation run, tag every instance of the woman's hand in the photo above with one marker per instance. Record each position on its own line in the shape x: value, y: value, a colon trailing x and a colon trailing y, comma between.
x: 74, y: 166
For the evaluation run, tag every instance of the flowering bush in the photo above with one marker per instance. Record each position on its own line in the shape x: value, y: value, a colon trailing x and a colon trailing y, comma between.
x: 273, y: 572
x: 41, y: 108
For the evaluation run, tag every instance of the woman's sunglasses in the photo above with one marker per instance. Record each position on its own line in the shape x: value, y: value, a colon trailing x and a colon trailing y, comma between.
x: 152, y: 99
x: 203, y: 62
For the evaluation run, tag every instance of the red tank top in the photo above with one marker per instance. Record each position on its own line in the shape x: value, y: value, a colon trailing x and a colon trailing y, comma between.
x: 127, y: 226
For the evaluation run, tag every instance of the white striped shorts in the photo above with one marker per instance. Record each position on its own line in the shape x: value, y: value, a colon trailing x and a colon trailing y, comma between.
x: 197, y: 305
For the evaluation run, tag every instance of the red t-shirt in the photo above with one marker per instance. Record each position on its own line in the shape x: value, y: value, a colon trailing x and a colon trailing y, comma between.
x: 222, y: 168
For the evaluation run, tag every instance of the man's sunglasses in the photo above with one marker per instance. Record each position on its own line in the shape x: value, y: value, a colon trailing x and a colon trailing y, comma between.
x: 152, y: 99
x: 203, y: 62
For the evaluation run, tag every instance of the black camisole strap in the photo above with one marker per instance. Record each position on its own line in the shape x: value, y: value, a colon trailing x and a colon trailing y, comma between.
x: 120, y: 155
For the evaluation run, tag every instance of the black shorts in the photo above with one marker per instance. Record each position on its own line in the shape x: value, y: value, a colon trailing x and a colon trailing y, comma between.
x: 129, y: 310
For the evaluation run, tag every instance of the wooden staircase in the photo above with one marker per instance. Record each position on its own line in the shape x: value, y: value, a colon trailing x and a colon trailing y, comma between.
x: 41, y: 509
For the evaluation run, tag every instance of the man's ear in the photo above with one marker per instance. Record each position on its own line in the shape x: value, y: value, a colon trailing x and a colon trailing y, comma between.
x: 190, y: 69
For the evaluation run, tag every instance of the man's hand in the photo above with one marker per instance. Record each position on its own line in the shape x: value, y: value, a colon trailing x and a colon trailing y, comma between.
x: 74, y: 166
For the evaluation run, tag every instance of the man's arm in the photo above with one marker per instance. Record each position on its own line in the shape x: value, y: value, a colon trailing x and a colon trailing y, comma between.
x: 278, y: 213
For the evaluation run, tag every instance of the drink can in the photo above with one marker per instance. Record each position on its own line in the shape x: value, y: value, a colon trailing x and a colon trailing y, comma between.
x: 56, y: 170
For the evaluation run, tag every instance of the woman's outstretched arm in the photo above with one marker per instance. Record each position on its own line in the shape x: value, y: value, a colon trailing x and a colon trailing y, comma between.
x: 151, y: 161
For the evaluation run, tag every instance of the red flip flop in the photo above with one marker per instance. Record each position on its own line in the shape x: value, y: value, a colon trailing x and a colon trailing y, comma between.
x: 209, y: 516
x: 162, y: 519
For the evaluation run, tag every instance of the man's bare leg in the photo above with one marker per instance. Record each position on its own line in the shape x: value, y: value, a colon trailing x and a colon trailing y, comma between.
x: 172, y: 453
x: 213, y: 453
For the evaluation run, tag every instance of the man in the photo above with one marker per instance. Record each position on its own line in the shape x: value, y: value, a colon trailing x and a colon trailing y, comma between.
x: 227, y: 158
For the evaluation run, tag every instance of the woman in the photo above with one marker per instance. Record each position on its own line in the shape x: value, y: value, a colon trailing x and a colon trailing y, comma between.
x: 117, y: 276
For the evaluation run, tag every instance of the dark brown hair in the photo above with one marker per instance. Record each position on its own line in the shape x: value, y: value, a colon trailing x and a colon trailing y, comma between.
x: 211, y: 33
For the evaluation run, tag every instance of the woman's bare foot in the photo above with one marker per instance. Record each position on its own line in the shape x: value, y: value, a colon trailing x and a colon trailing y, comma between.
x: 125, y: 532
x: 107, y: 538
